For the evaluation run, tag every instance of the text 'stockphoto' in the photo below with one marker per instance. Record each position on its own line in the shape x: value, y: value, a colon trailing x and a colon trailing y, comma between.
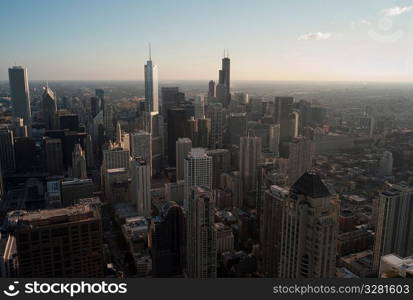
x: 206, y: 149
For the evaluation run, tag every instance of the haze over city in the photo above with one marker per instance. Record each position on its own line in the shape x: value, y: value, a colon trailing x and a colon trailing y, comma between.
x: 266, y: 40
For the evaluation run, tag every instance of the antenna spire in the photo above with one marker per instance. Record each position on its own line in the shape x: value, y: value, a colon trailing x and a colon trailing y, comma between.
x: 150, y: 52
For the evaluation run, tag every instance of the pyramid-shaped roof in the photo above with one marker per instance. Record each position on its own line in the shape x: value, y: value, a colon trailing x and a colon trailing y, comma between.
x: 310, y: 184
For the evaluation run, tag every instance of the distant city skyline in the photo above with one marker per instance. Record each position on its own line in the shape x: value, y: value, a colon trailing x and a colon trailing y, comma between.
x: 270, y: 40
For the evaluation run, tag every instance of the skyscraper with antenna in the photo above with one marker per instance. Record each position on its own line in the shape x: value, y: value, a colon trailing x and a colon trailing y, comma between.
x: 151, y: 85
x: 223, y: 89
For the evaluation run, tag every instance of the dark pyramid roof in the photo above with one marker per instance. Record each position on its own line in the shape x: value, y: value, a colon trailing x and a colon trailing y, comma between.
x: 310, y: 184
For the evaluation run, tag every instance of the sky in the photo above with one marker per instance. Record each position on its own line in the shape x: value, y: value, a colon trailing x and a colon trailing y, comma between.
x: 352, y: 40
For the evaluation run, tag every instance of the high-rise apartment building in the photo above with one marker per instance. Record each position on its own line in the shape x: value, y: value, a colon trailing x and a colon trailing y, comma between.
x: 198, y: 172
x: 394, y: 228
x: 309, y: 230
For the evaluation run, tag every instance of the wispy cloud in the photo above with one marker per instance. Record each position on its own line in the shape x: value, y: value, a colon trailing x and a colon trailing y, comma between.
x: 317, y: 36
x: 397, y: 10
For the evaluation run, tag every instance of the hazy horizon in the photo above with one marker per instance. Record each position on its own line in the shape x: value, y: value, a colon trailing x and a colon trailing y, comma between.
x: 268, y: 41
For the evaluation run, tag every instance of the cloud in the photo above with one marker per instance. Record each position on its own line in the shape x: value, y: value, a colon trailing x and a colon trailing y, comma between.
x: 397, y: 10
x: 317, y: 36
x: 365, y: 22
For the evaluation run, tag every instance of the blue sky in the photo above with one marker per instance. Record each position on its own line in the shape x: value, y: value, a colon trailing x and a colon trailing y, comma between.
x: 368, y: 40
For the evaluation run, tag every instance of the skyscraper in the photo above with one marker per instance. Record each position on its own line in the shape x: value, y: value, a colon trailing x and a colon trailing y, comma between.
x: 19, y: 90
x: 140, y: 145
x: 198, y: 172
x: 63, y: 242
x: 300, y: 158
x: 237, y: 127
x: 250, y: 156
x: 140, y: 173
x: 171, y: 97
x: 211, y: 89
x: 176, y: 129
x: 199, y: 107
x: 7, y: 158
x: 283, y: 116
x: 201, y: 234
x: 223, y: 91
x: 204, y: 132
x: 151, y: 86
x: 394, y: 228
x: 270, y: 229
x: 168, y: 237
x: 217, y: 117
x: 183, y: 148
x: 54, y: 156
x: 49, y: 106
x: 309, y: 230
x: 79, y: 163
x: 221, y: 163
x: 386, y: 164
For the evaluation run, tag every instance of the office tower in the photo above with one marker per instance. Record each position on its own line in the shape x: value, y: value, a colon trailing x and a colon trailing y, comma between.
x: 108, y: 122
x: 115, y: 183
x: 63, y: 242
x: 151, y: 86
x: 221, y: 163
x: 223, y: 90
x: 176, y: 129
x: 309, y: 230
x: 191, y: 130
x: 171, y: 97
x: 7, y: 158
x: 183, y: 148
x: 283, y: 116
x: 49, y: 106
x: 300, y: 158
x: 217, y: 117
x: 249, y: 158
x: 296, y: 123
x: 274, y: 139
x: 211, y: 89
x: 75, y: 189
x: 237, y: 127
x: 25, y: 154
x: 204, y: 132
x: 68, y: 121
x: 79, y: 163
x: 270, y: 229
x: 201, y: 234
x: 90, y: 154
x: 140, y: 173
x: 19, y: 91
x: 168, y: 237
x: 198, y: 172
x: 394, y: 229
x: 140, y: 145
x: 153, y: 124
x: 232, y: 182
x: 54, y: 156
x: 118, y: 133
x: 199, y: 107
x: 95, y: 106
x: 386, y: 164
x: 225, y: 238
x: 19, y: 129
x: 115, y: 158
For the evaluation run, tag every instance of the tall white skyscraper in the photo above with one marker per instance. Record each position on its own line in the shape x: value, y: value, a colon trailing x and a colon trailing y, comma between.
x: 198, y: 172
x: 249, y: 157
x: 140, y: 145
x: 183, y: 148
x: 49, y: 106
x: 19, y: 90
x: 140, y: 173
x: 201, y: 234
x: 151, y: 86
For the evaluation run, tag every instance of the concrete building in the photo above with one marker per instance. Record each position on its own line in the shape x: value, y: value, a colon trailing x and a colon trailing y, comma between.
x: 250, y: 157
x: 183, y: 148
x: 141, y: 186
x: 49, y: 107
x: 79, y: 163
